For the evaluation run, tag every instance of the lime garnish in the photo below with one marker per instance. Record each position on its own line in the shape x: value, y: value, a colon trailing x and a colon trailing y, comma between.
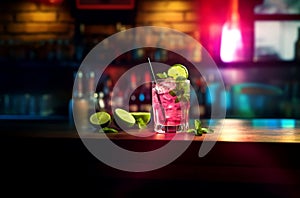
x: 101, y: 118
x: 145, y: 116
x: 124, y: 118
x: 178, y: 70
x: 142, y: 118
x: 108, y: 130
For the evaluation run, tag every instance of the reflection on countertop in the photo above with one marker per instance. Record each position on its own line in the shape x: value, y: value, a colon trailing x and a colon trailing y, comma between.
x: 225, y: 130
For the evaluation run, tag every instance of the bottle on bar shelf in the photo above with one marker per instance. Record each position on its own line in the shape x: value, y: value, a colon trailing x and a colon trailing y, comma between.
x: 117, y: 98
x: 79, y: 105
x: 144, y: 94
x: 199, y: 95
x: 91, y: 94
x: 132, y: 92
x: 103, y: 94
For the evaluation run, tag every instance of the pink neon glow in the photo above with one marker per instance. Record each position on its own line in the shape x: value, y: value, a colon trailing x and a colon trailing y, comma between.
x: 231, y: 43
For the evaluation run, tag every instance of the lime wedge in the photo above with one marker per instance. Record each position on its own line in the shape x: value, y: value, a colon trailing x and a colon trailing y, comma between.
x: 142, y: 119
x: 124, y: 118
x: 178, y: 70
x: 145, y: 116
x: 108, y: 130
x: 101, y: 118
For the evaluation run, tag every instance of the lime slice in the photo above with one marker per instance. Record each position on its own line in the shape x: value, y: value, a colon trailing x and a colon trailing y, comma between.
x: 124, y: 118
x: 101, y: 118
x: 141, y: 119
x: 145, y: 116
x: 178, y: 70
x: 108, y: 130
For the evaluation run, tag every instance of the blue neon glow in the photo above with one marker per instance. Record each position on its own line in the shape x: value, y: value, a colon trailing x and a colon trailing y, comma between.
x: 141, y: 97
x: 274, y: 123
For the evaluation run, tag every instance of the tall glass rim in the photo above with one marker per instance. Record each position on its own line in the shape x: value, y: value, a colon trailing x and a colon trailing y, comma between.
x: 171, y: 80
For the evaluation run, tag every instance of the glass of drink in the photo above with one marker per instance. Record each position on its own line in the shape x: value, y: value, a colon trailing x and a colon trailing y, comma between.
x: 171, y: 104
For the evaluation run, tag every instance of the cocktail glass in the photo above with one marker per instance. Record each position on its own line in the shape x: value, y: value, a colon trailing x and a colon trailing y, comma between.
x: 171, y: 104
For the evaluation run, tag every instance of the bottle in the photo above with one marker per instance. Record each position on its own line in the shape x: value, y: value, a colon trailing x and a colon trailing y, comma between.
x: 297, y: 47
x: 144, y: 97
x: 80, y: 104
x: 117, y: 98
x: 133, y: 94
x: 202, y: 97
x: 200, y: 91
x: 107, y: 90
x: 91, y: 95
x: 138, y: 54
x: 160, y: 53
x: 101, y: 102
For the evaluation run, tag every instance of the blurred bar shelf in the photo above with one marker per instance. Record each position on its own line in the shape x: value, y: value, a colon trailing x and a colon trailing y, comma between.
x: 33, y: 117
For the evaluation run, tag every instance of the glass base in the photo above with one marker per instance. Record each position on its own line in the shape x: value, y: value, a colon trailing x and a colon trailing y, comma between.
x: 171, y: 129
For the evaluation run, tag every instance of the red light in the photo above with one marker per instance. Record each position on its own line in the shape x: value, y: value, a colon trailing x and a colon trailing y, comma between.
x: 55, y: 1
x: 231, y: 43
x: 231, y: 40
x: 51, y: 2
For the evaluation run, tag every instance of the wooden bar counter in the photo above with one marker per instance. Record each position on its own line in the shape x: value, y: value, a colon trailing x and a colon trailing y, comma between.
x: 257, y: 157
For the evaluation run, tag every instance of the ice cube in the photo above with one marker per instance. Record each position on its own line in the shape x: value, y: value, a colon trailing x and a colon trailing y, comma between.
x: 165, y: 86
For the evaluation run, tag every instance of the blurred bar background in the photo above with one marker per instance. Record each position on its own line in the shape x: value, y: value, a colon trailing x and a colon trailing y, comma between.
x: 42, y: 43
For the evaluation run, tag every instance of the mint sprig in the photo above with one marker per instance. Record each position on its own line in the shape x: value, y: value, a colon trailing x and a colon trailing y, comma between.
x: 162, y: 75
x: 181, y: 91
x: 141, y: 124
x: 199, y: 130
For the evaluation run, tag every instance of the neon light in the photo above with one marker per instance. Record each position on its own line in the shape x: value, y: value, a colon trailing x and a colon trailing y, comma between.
x: 141, y: 97
x: 231, y: 41
x: 274, y: 123
x: 231, y: 44
x: 288, y: 123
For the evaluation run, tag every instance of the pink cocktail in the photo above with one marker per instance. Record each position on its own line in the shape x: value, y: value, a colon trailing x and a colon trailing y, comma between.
x: 171, y: 104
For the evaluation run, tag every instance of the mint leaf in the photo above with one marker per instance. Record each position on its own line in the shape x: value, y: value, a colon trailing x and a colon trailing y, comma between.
x: 108, y: 130
x: 172, y: 93
x: 141, y: 124
x: 180, y: 78
x: 199, y: 130
x: 198, y: 124
x: 207, y: 130
x: 162, y: 75
x: 192, y: 131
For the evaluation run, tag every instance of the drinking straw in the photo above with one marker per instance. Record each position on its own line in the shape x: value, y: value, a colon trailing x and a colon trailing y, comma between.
x: 158, y: 98
x: 152, y: 71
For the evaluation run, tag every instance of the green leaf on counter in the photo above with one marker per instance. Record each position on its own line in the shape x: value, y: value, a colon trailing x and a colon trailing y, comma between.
x: 199, y: 130
x: 207, y: 130
x: 108, y: 130
x: 198, y: 127
x: 192, y: 131
x: 198, y: 124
